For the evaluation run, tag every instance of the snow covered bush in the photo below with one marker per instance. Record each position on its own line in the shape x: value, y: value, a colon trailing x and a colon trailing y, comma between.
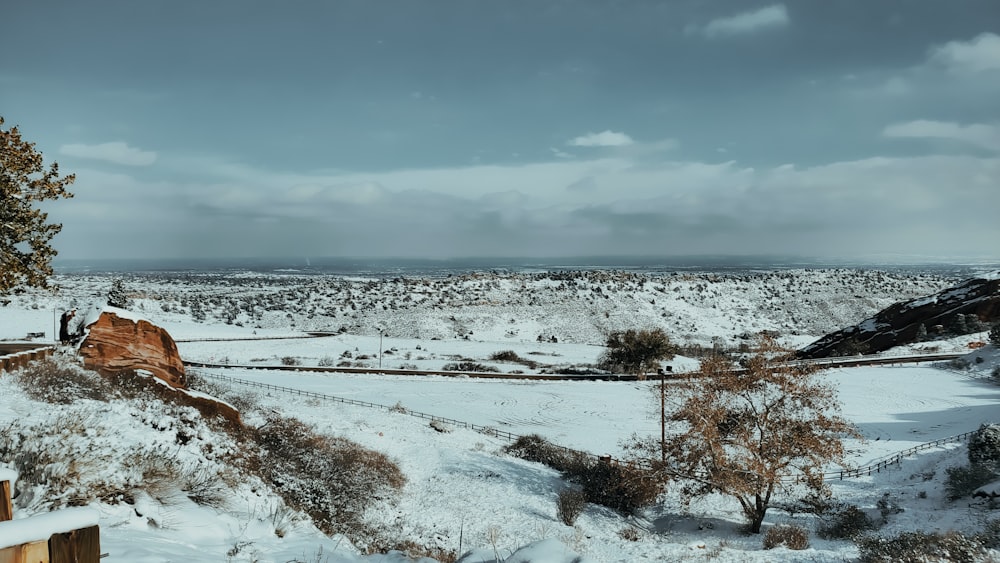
x: 919, y: 547
x: 569, y: 505
x: 333, y: 480
x: 844, y: 522
x: 984, y: 446
x: 792, y: 537
x: 962, y: 481
x: 995, y: 335
x: 61, y: 380
x: 622, y: 487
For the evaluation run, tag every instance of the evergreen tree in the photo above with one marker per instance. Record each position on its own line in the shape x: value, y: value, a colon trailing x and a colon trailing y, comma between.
x: 25, y: 252
x: 118, y: 296
x: 921, y: 332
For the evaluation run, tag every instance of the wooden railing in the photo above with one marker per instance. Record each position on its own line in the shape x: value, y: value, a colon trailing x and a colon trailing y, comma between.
x: 16, y: 356
x: 63, y: 536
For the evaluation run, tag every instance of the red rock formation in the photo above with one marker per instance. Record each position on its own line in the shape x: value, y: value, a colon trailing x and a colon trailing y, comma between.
x: 116, y: 342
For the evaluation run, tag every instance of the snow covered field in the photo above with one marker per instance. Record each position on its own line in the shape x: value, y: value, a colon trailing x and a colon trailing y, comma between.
x: 462, y: 493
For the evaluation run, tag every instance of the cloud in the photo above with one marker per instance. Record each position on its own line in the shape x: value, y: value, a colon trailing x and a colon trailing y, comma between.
x: 116, y: 153
x: 769, y: 17
x: 978, y: 134
x: 603, y: 139
x: 980, y: 54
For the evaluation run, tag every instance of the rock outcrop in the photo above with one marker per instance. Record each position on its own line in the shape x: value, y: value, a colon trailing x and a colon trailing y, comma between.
x: 116, y: 341
x: 946, y: 312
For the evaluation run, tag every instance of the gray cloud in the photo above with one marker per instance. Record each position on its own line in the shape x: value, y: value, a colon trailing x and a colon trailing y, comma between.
x: 768, y: 17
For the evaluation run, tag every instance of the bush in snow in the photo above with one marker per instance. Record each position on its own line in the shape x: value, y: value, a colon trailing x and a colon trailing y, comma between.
x: 792, y: 537
x: 844, y: 522
x: 984, y: 446
x: 333, y: 480
x: 60, y: 380
x: 469, y: 366
x: 622, y: 487
x: 569, y: 505
x: 962, y: 481
x: 995, y: 335
x: 918, y: 547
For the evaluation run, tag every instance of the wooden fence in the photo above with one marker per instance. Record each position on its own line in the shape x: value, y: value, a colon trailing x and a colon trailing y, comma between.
x: 16, y: 356
x: 62, y: 536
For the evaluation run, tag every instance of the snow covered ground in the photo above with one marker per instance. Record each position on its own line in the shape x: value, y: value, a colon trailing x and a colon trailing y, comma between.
x: 462, y: 492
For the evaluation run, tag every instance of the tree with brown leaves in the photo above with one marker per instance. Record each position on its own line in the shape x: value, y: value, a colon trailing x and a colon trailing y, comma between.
x: 752, y: 432
x: 25, y: 252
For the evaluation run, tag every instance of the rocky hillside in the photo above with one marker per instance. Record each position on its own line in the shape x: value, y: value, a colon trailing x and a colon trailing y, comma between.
x: 971, y: 306
x: 575, y: 307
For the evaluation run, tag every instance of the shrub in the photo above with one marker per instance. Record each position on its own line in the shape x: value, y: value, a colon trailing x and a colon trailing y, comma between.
x: 984, y: 446
x: 469, y: 366
x: 327, y: 361
x: 995, y: 335
x: 792, y: 537
x: 918, y: 547
x: 289, y: 361
x: 569, y: 505
x: 331, y: 479
x: 990, y: 536
x: 622, y: 487
x: 964, y: 480
x: 535, y: 448
x: 505, y: 356
x: 845, y: 522
x: 60, y: 380
x: 629, y: 534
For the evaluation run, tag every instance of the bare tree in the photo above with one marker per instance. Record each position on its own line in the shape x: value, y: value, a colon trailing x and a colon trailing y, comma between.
x: 751, y: 432
x: 25, y: 253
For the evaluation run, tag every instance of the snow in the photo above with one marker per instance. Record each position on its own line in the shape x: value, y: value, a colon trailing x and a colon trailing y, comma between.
x: 8, y: 475
x: 42, y: 526
x: 462, y: 493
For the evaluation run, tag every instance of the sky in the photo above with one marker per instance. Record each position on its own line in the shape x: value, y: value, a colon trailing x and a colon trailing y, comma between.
x: 460, y: 128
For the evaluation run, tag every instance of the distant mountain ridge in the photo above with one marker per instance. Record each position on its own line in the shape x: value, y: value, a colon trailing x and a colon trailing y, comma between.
x: 952, y: 310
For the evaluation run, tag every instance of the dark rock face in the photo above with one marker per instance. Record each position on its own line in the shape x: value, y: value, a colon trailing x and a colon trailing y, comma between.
x: 975, y: 300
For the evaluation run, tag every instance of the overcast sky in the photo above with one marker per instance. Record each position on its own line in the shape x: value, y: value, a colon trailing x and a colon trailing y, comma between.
x: 442, y: 128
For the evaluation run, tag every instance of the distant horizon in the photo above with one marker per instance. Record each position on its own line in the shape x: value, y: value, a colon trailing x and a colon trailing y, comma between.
x: 382, y: 266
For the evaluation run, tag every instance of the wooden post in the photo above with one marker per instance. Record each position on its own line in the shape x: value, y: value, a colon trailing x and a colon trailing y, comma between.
x: 34, y: 552
x: 6, y: 509
x: 78, y: 546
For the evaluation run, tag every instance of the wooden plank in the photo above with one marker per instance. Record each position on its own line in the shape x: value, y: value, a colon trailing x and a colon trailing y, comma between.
x: 6, y: 509
x: 34, y: 552
x: 78, y: 546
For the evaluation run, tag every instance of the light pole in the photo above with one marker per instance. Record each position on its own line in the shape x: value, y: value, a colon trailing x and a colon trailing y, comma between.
x: 381, y: 329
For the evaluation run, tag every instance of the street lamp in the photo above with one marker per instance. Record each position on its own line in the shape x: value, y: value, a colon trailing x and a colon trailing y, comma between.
x: 381, y: 330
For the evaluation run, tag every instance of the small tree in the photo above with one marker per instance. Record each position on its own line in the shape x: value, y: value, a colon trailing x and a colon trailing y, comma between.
x: 995, y: 335
x: 25, y: 253
x: 748, y: 433
x: 637, y: 351
x: 118, y: 296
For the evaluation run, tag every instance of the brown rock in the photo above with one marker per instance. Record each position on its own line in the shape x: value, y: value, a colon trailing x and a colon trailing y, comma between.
x: 116, y: 343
